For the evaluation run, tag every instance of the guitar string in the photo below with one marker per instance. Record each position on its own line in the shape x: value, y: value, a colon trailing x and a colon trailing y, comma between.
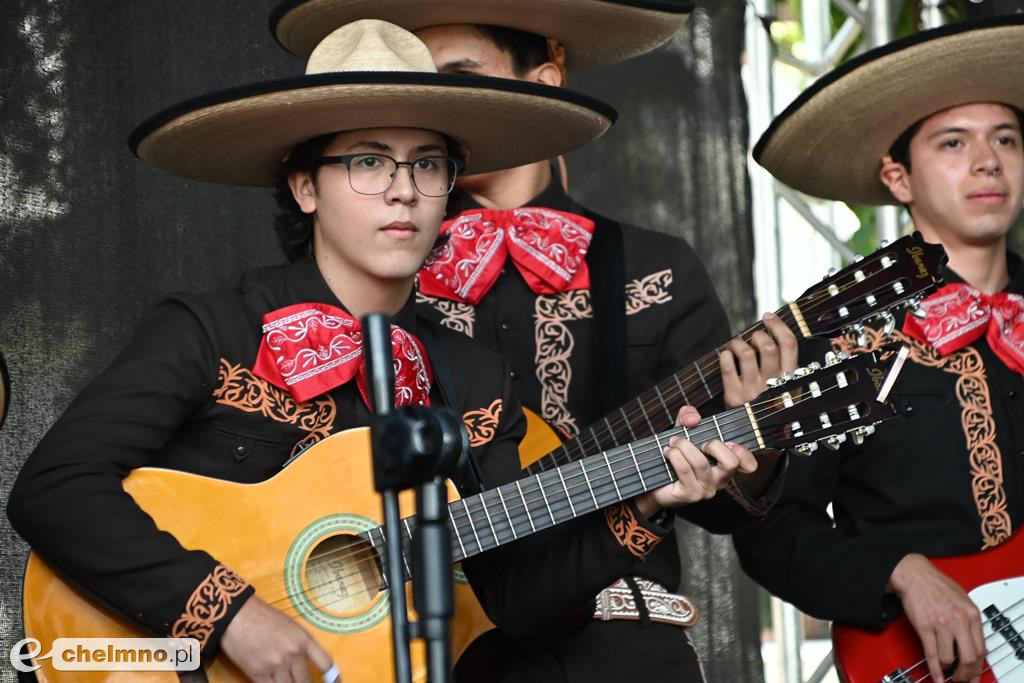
x: 706, y: 373
x: 641, y: 447
x: 995, y: 634
x: 605, y: 481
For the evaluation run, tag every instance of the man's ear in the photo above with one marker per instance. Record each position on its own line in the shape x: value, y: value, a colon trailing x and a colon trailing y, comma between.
x: 547, y: 73
x: 896, y: 177
x: 303, y: 190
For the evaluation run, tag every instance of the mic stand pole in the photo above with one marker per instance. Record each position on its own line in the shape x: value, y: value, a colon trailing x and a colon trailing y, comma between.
x: 377, y: 341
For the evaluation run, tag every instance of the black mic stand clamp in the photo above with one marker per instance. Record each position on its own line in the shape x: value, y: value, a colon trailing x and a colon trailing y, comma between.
x: 413, y: 447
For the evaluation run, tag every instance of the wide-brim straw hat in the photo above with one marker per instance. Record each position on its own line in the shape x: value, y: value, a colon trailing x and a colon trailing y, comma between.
x: 593, y: 32
x: 830, y: 141
x: 368, y: 74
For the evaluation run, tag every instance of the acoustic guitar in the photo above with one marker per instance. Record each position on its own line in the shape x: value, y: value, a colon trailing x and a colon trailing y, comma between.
x: 994, y: 581
x: 320, y: 562
x: 898, y: 274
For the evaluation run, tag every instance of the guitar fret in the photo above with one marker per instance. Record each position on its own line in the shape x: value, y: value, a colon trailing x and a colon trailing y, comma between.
x: 472, y: 525
x: 702, y: 380
x: 590, y: 488
x: 682, y: 391
x: 593, y: 435
x: 487, y: 514
x: 612, y: 474
x: 529, y: 517
x: 405, y: 560
x: 718, y: 428
x: 636, y: 464
x: 458, y: 534
x: 647, y: 418
x: 664, y: 460
x: 632, y: 435
x: 611, y: 432
x: 668, y: 412
x: 568, y: 496
x: 544, y: 495
x: 511, y: 526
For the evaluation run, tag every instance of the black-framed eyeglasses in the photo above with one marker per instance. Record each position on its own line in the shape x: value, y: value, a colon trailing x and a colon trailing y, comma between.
x: 432, y: 176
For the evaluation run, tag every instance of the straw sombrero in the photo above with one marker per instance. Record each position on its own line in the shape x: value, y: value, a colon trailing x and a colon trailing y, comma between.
x: 830, y: 141
x: 368, y: 74
x: 593, y: 32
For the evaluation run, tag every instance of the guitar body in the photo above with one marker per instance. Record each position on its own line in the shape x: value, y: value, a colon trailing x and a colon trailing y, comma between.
x: 992, y: 578
x: 540, y: 439
x: 272, y: 534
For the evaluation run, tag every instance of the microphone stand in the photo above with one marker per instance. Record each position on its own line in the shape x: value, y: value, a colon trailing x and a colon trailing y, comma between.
x: 413, y: 446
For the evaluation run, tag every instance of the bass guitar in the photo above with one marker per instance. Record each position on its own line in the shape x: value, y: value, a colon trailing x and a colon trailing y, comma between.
x: 321, y: 562
x: 994, y: 581
x: 898, y: 274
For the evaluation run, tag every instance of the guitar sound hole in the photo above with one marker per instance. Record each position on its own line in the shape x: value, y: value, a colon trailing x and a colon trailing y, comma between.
x: 342, y: 574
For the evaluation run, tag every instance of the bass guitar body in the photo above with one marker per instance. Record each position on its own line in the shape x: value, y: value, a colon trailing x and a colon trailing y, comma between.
x: 994, y: 580
x: 294, y: 537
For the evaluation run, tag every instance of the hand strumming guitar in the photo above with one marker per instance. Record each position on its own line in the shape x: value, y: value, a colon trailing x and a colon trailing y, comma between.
x: 269, y: 646
x: 945, y: 619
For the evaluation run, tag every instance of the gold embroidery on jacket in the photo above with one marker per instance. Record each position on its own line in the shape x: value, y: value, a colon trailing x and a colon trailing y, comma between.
x: 482, y: 423
x: 628, y: 531
x: 976, y: 419
x: 648, y: 291
x: 208, y: 604
x: 455, y: 315
x: 241, y: 389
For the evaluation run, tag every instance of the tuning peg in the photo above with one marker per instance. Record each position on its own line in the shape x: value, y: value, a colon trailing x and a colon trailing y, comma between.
x: 918, y: 312
x: 802, y: 372
x: 773, y: 382
x: 860, y: 433
x: 889, y: 322
x: 830, y: 272
x: 814, y: 366
x: 862, y: 337
x: 834, y: 442
x: 805, y: 448
x: 831, y: 359
x: 883, y: 244
x: 858, y: 258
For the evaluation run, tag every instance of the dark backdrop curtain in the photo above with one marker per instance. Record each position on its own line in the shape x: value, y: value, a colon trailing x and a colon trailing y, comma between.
x: 89, y: 236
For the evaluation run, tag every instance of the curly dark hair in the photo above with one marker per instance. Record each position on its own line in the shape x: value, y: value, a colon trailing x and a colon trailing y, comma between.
x: 294, y: 227
x: 527, y: 50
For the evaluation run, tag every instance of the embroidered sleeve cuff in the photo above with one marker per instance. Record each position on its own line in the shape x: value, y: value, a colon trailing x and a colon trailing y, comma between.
x: 211, y: 607
x: 631, y: 531
x: 759, y: 506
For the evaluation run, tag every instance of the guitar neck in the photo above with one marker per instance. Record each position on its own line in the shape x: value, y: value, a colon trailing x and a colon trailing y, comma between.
x: 490, y: 519
x: 655, y: 410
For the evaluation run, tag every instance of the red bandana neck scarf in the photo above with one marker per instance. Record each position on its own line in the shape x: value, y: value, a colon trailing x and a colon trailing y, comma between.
x: 547, y: 246
x: 959, y: 314
x: 310, y: 349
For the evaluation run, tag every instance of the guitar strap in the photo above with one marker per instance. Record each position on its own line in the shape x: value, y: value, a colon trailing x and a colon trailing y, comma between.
x: 466, y: 477
x: 607, y: 263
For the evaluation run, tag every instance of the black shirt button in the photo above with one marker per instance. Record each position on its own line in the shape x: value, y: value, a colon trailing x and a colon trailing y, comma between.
x: 241, y: 452
x: 503, y: 271
x: 1011, y: 393
x: 505, y: 327
x: 908, y: 409
x: 513, y: 374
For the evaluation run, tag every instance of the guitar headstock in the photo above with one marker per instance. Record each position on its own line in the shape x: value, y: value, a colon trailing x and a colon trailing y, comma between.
x: 901, y: 273
x: 826, y: 404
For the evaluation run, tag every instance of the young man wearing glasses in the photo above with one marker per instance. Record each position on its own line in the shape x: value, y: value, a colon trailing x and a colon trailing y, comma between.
x: 587, y: 311
x: 238, y: 383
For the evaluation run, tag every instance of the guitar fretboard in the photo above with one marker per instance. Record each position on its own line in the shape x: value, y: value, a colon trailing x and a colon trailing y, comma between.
x: 485, y: 521
x: 654, y: 410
